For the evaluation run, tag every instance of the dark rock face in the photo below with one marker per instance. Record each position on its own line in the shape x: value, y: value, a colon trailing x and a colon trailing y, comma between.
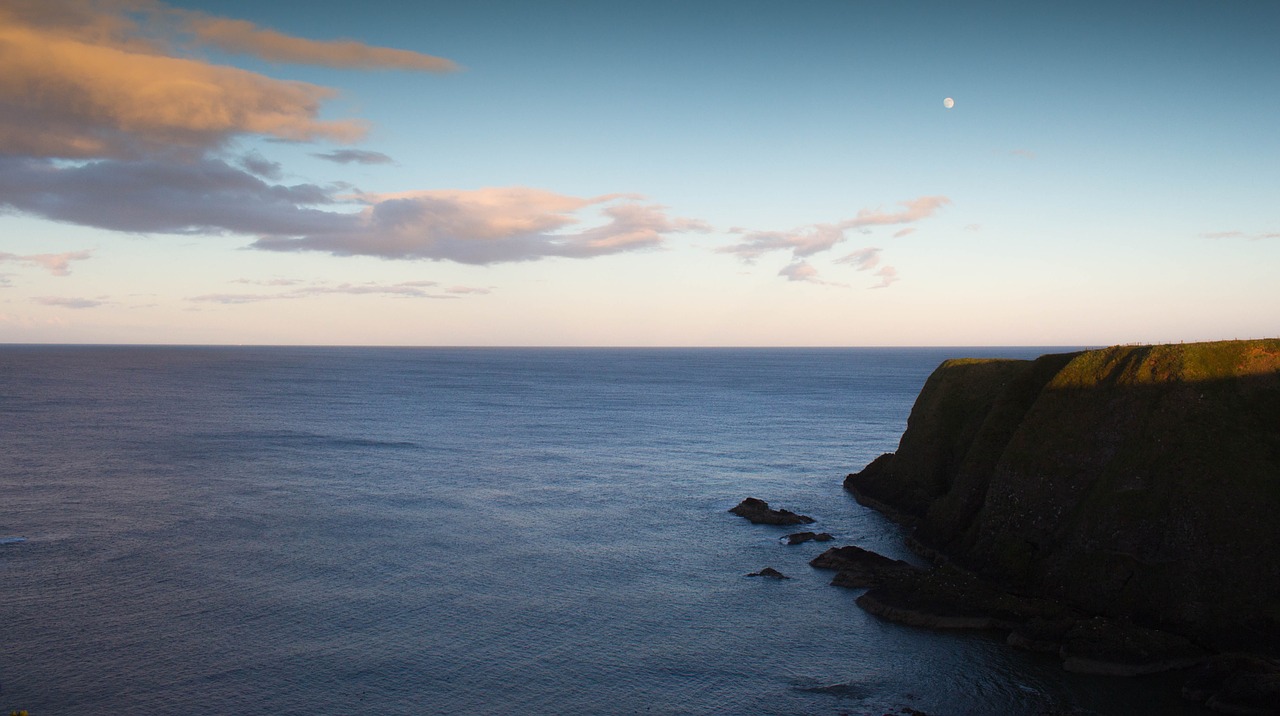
x: 1141, y: 483
x: 802, y: 537
x: 948, y: 598
x: 1107, y: 646
x: 758, y: 511
x: 769, y: 572
x: 1236, y: 684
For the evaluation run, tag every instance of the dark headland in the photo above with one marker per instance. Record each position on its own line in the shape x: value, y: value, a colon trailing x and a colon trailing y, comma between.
x: 1120, y: 507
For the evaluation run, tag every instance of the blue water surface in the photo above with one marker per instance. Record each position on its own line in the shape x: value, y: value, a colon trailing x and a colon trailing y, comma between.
x: 467, y: 531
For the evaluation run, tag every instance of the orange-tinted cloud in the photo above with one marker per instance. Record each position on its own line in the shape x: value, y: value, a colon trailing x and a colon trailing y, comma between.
x: 102, y: 78
x: 245, y: 37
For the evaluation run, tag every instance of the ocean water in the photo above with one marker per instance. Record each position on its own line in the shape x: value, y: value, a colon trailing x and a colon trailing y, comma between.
x: 467, y: 531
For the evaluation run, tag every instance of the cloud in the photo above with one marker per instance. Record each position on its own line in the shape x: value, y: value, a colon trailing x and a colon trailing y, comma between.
x: 354, y: 156
x: 867, y: 259
x: 804, y: 272
x: 1024, y: 153
x: 57, y: 264
x: 85, y: 79
x: 105, y: 122
x: 471, y: 290
x: 68, y: 302
x: 862, y: 259
x: 800, y: 271
x: 482, y: 226
x: 888, y: 275
x: 487, y: 226
x: 1239, y: 235
x: 270, y: 282
x: 406, y: 289
x: 904, y: 232
x: 206, y: 195
x: 973, y: 227
x: 816, y: 238
x: 259, y: 165
x: 245, y: 37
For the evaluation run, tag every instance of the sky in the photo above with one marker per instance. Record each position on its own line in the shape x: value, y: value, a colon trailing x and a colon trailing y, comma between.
x: 594, y: 173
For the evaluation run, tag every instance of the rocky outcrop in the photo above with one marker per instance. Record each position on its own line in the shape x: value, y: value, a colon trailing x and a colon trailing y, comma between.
x: 946, y: 597
x: 769, y: 572
x: 858, y: 568
x: 758, y: 512
x: 1138, y: 483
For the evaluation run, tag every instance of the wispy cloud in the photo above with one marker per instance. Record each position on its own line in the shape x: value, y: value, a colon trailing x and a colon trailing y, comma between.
x: 354, y: 156
x: 63, y: 302
x: 1023, y: 153
x: 888, y: 275
x: 406, y: 289
x: 816, y: 238
x: 804, y: 272
x: 868, y: 259
x: 270, y: 282
x: 862, y: 259
x: 800, y: 271
x: 57, y: 264
x: 1239, y: 235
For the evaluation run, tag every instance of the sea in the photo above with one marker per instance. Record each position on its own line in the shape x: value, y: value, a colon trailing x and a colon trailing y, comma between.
x: 302, y: 530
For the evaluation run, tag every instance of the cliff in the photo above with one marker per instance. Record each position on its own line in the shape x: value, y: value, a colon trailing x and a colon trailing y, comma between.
x: 1137, y: 482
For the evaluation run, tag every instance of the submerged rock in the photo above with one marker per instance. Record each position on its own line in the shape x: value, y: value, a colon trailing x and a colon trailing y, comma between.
x: 802, y: 537
x: 758, y: 511
x: 769, y: 572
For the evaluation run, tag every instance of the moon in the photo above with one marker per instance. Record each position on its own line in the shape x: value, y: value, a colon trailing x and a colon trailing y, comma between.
x: 948, y: 103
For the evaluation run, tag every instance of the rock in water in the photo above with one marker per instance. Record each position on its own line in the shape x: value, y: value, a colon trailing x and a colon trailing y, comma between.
x: 758, y: 511
x: 769, y: 572
x: 860, y: 568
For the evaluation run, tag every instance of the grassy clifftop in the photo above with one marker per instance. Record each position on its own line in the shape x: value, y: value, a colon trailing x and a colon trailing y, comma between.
x: 1134, y: 481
